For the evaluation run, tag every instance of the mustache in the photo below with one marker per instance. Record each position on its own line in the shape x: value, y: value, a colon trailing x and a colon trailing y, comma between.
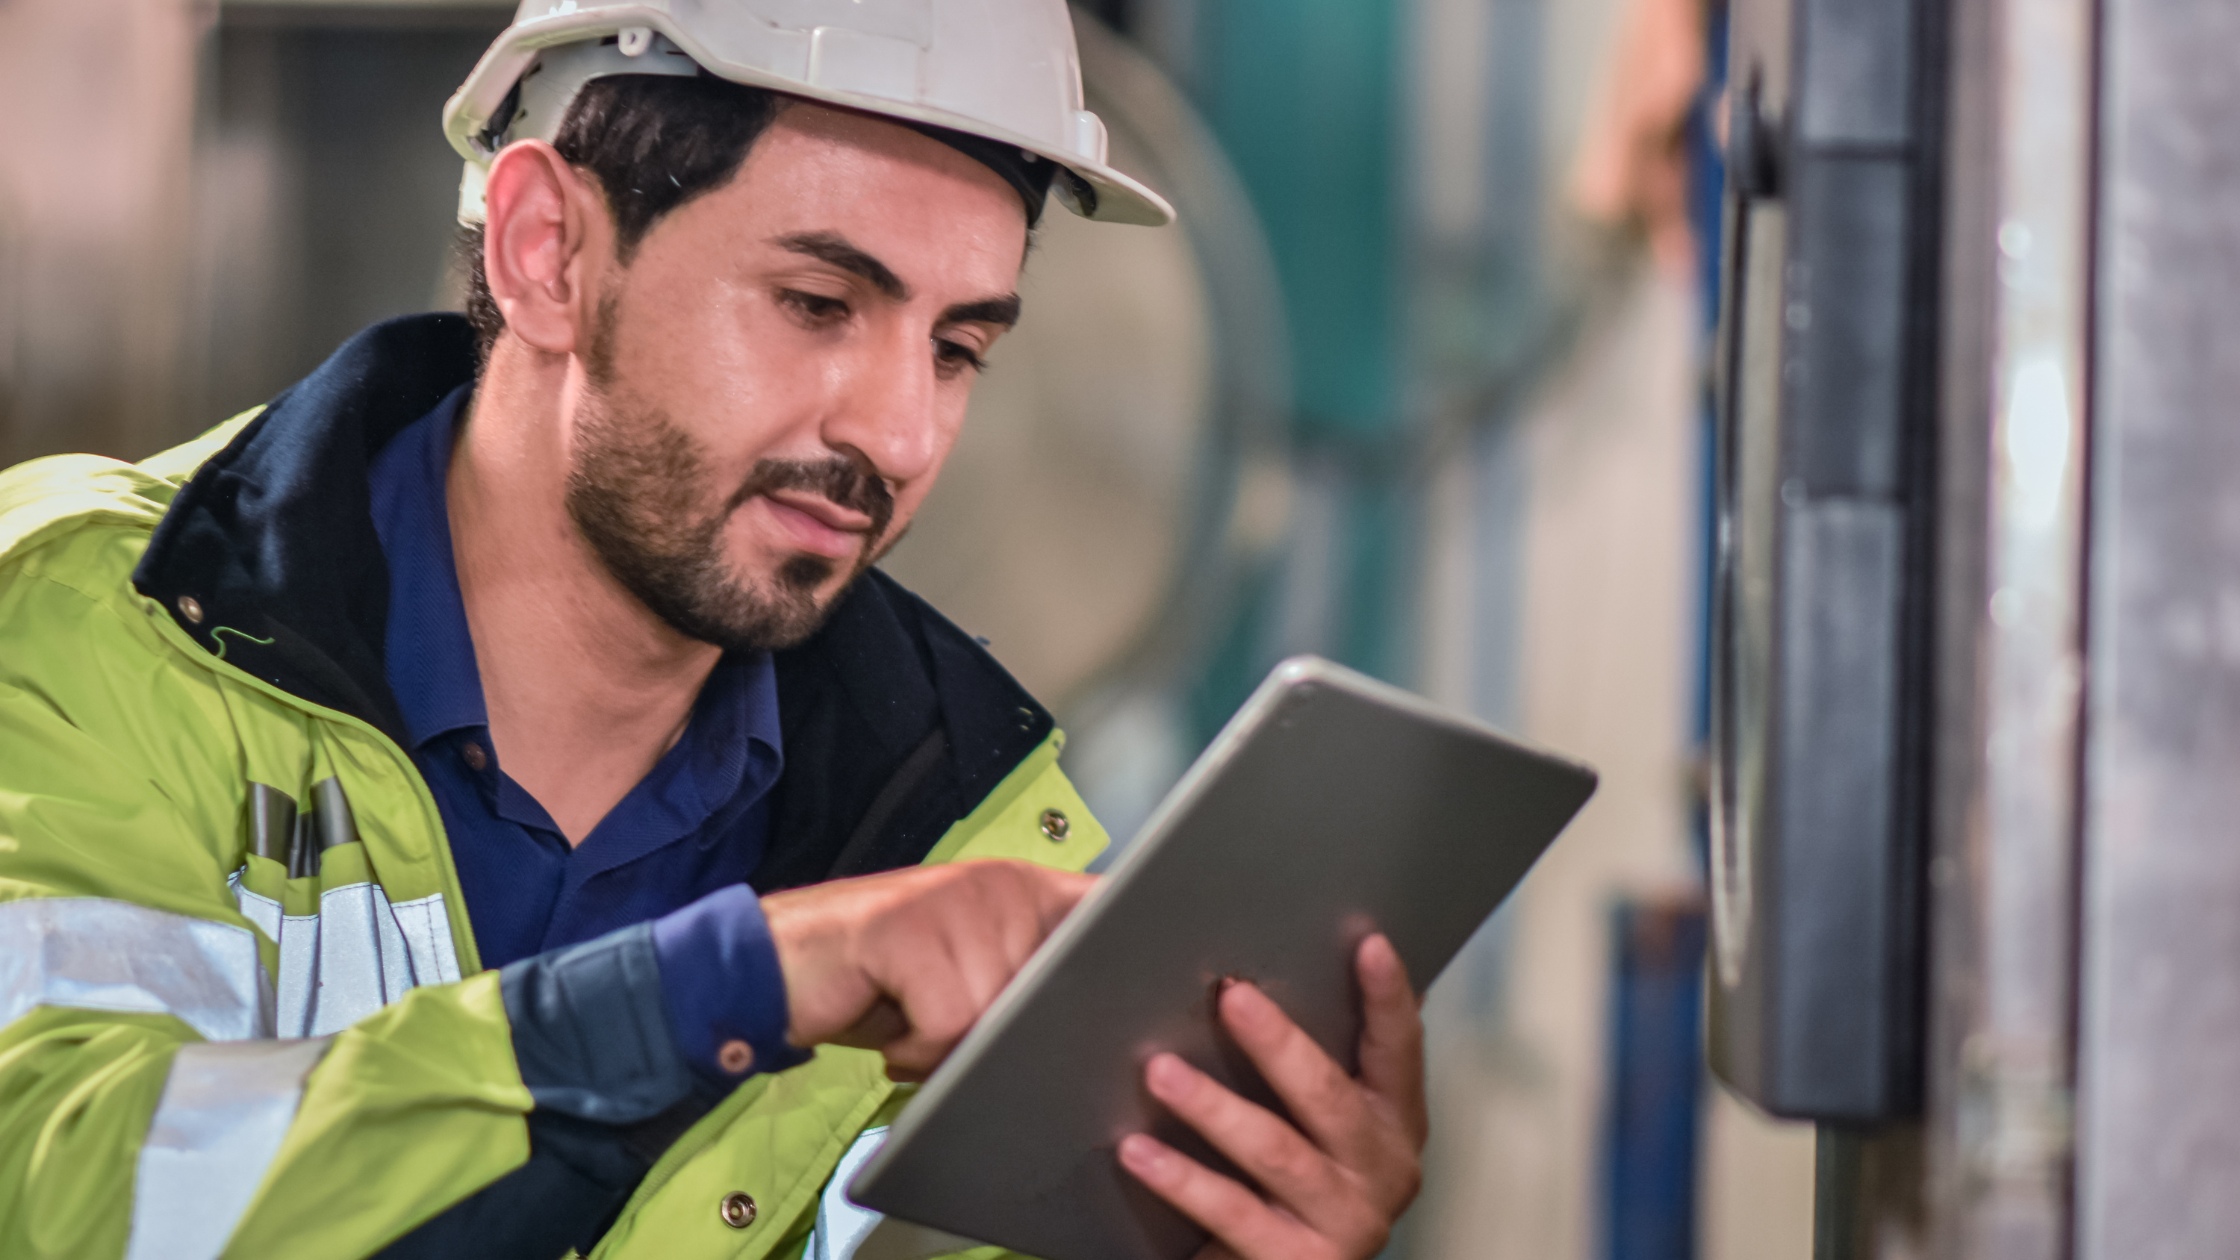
x: 848, y: 483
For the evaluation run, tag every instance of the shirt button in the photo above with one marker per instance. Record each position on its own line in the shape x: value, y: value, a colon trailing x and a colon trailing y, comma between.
x: 475, y: 758
x: 191, y: 609
x: 735, y: 1057
x: 737, y: 1209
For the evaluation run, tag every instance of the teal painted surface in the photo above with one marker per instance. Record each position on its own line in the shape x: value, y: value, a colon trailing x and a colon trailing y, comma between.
x: 1376, y: 620
x: 1236, y: 663
x: 1303, y: 95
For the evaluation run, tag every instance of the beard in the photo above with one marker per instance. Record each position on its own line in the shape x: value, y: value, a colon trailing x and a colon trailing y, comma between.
x: 642, y: 495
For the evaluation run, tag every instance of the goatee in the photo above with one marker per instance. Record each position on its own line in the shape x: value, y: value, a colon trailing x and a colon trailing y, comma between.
x: 641, y: 493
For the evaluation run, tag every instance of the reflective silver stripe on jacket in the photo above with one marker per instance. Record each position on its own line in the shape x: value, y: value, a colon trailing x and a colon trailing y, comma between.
x: 226, y: 1108
x: 426, y: 925
x: 355, y: 956
x: 228, y: 1102
x: 107, y: 955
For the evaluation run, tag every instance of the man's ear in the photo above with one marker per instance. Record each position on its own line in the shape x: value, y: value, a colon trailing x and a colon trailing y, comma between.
x: 542, y: 215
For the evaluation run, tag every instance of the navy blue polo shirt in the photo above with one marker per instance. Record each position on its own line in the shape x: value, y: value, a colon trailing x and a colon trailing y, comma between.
x: 692, y: 827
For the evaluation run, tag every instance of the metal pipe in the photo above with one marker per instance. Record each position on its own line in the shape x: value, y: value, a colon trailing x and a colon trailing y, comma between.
x: 2004, y: 939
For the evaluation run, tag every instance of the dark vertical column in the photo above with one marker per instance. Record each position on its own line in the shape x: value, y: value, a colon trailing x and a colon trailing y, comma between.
x: 1656, y: 1080
x: 1823, y: 601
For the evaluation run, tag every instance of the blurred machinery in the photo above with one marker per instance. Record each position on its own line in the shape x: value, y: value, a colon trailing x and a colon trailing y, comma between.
x: 1821, y: 589
x: 1124, y: 465
x: 1977, y: 706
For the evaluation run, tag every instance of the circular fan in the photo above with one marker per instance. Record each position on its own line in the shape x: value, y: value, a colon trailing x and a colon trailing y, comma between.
x: 1122, y: 463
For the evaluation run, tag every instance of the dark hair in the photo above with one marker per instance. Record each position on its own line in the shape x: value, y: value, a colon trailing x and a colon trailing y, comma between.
x: 654, y: 142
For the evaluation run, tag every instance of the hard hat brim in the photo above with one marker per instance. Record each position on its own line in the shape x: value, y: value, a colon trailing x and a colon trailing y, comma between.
x: 1118, y: 197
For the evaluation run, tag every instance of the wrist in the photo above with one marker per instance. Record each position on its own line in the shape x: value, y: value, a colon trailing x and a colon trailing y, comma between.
x: 810, y: 950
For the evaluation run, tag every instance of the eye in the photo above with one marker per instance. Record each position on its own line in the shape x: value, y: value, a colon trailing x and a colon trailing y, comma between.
x: 953, y: 358
x: 814, y: 310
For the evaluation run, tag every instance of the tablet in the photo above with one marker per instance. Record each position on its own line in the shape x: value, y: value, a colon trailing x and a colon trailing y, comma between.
x: 1332, y: 806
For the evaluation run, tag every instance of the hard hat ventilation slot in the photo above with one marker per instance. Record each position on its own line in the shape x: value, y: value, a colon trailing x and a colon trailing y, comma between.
x: 1080, y: 192
x: 493, y: 135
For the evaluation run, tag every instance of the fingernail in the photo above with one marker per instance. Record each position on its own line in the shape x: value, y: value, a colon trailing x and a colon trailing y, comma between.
x: 1246, y: 1001
x: 1142, y: 1154
x: 1389, y: 956
x: 1168, y: 1076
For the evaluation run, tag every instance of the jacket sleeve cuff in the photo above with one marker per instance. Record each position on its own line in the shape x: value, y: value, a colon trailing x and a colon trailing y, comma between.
x: 721, y: 983
x: 591, y: 1034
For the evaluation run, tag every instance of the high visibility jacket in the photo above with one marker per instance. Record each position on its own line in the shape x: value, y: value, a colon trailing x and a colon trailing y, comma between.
x: 202, y: 1055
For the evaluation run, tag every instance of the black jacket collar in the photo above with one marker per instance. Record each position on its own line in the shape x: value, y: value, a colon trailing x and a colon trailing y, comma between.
x: 896, y: 723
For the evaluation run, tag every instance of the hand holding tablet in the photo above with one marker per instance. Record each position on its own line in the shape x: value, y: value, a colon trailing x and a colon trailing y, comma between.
x: 1349, y: 1162
x: 1331, y: 809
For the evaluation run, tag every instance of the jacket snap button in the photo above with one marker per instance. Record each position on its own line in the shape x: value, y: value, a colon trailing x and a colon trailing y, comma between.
x: 737, y: 1209
x: 1054, y: 824
x: 475, y: 758
x: 191, y: 609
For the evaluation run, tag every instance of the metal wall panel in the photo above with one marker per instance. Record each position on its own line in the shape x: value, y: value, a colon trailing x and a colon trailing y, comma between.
x: 2158, y: 1089
x: 2010, y: 599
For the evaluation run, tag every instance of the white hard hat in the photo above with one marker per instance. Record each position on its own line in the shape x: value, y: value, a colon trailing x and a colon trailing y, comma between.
x: 1005, y: 70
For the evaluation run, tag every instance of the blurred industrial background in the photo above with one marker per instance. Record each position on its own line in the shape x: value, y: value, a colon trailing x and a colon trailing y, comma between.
x: 1901, y: 615
x: 1420, y: 384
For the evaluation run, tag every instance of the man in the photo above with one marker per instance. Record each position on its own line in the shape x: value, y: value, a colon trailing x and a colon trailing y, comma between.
x: 388, y: 777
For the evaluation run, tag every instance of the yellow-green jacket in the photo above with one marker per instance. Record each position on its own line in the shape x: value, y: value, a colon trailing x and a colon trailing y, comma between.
x: 202, y: 1056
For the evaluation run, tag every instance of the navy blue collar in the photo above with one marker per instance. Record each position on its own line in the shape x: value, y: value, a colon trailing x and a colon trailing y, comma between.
x: 430, y: 653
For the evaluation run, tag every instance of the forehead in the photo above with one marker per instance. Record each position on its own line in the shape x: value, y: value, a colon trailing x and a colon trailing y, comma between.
x: 885, y: 187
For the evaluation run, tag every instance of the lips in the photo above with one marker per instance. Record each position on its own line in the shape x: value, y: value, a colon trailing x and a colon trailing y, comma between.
x: 824, y: 511
x: 834, y: 508
x: 818, y: 525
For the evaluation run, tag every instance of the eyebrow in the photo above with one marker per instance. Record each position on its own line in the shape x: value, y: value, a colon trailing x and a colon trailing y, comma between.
x: 831, y: 247
x: 1003, y: 312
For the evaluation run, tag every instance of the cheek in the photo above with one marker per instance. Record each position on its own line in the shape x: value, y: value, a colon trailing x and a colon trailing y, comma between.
x: 703, y: 363
x: 718, y: 360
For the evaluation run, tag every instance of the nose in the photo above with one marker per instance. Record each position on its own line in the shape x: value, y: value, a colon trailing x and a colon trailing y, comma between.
x: 888, y: 408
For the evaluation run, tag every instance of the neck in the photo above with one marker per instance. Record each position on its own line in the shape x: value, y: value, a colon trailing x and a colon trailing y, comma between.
x: 585, y: 687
